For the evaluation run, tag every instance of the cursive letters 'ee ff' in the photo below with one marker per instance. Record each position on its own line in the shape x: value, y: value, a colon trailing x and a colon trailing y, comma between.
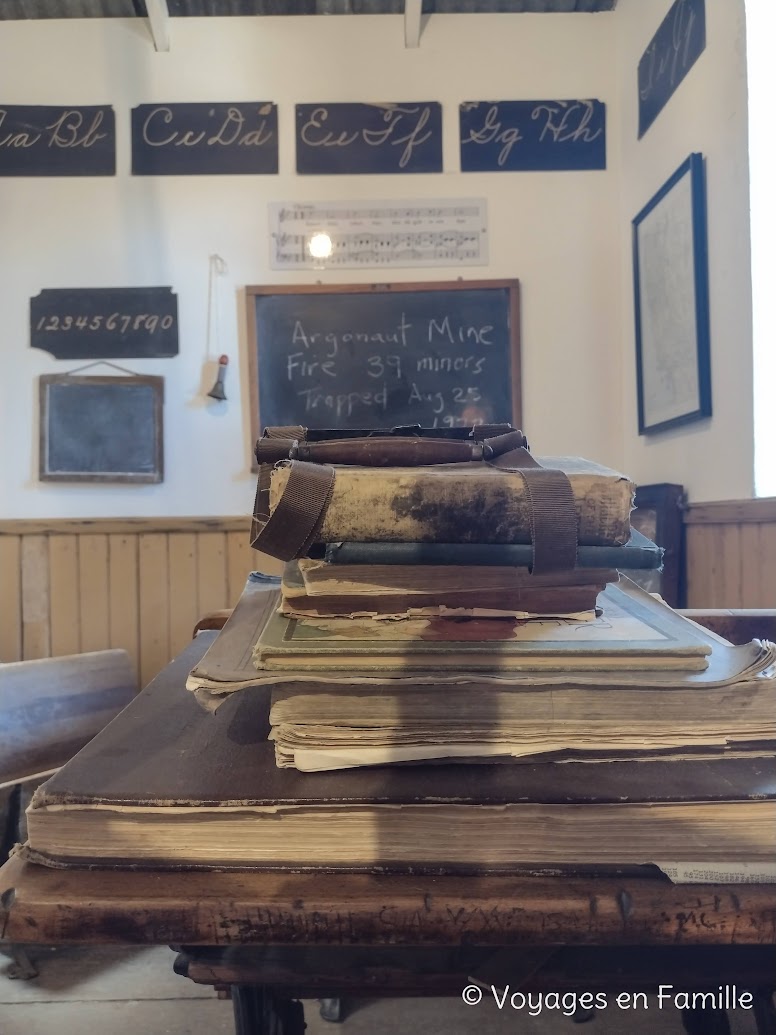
x: 396, y: 119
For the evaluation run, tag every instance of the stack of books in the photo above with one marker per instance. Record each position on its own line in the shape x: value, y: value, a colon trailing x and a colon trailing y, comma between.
x: 411, y: 696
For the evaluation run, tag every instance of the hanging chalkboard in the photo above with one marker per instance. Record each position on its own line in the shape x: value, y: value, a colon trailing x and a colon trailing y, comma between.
x: 101, y: 429
x: 351, y: 356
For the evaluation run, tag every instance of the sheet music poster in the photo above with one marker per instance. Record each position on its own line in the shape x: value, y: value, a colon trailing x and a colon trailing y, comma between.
x: 432, y: 232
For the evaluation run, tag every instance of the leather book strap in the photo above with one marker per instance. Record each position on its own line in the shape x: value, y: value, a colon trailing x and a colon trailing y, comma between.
x: 553, y: 512
x: 291, y: 527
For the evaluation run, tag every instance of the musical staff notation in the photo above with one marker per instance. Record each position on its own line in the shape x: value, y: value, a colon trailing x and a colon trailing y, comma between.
x: 443, y: 232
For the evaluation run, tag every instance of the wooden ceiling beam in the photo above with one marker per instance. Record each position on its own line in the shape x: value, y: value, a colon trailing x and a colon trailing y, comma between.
x: 413, y: 10
x: 159, y: 23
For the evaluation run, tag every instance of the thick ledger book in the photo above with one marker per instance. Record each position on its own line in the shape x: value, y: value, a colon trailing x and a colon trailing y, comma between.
x: 633, y: 630
x: 316, y: 727
x: 462, y: 503
x: 637, y: 553
x: 167, y: 785
x: 468, y: 598
x: 228, y: 666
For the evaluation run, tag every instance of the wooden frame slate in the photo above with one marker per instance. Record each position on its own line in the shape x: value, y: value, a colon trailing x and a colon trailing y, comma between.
x: 85, y: 437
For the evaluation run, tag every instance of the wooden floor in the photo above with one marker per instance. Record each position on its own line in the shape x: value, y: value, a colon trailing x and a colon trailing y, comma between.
x: 135, y: 992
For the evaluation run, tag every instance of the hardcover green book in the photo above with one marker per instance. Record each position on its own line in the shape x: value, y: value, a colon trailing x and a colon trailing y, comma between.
x: 633, y: 630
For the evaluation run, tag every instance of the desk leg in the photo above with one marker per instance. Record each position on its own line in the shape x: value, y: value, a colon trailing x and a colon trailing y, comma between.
x: 258, y: 1011
x: 705, y: 1022
x: 764, y: 1011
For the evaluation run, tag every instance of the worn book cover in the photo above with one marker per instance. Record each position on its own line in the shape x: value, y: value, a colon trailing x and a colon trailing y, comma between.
x: 317, y: 728
x: 467, y: 600
x: 463, y: 503
x: 632, y: 629
x: 169, y: 785
x: 228, y: 666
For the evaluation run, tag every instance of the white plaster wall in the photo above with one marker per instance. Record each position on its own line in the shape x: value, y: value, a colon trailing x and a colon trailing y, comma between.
x: 713, y: 458
x: 559, y: 233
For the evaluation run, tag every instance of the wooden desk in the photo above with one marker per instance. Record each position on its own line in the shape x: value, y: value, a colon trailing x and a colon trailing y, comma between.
x: 272, y: 937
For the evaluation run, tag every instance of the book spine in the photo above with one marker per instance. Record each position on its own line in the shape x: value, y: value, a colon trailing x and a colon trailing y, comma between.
x: 552, y: 601
x: 506, y: 555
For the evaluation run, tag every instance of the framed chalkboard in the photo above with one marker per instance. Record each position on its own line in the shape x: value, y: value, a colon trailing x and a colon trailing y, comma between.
x: 440, y: 354
x: 101, y: 429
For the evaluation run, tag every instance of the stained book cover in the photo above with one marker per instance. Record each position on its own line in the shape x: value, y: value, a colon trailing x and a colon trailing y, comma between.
x: 633, y: 629
x: 463, y: 503
x: 228, y: 663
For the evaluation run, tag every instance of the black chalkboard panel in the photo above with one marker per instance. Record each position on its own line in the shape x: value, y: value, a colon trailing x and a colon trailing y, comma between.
x: 191, y: 139
x: 369, y: 138
x: 529, y: 136
x: 673, y: 50
x: 110, y: 323
x: 440, y: 354
x: 38, y: 140
x: 101, y: 429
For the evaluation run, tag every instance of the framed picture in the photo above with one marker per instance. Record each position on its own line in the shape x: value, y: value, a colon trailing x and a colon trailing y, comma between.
x: 101, y: 429
x: 670, y: 274
x: 659, y: 515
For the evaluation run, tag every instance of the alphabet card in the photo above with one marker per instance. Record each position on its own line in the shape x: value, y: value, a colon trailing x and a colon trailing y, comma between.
x: 531, y: 136
x: 41, y: 140
x: 369, y: 138
x: 192, y: 139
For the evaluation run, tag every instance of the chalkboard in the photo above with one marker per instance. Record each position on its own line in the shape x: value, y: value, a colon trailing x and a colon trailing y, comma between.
x: 443, y: 354
x: 42, y: 140
x: 531, y: 136
x: 369, y: 138
x: 101, y: 429
x: 111, y: 323
x: 672, y: 51
x: 191, y: 139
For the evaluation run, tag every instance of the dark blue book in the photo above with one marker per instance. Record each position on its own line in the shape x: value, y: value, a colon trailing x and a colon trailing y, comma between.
x: 638, y: 553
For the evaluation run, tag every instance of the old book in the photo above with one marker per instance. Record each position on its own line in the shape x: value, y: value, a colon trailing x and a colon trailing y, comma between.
x: 321, y: 578
x: 633, y: 630
x: 515, y: 558
x: 577, y: 601
x: 168, y: 785
x: 462, y: 503
x: 317, y: 727
x: 228, y: 667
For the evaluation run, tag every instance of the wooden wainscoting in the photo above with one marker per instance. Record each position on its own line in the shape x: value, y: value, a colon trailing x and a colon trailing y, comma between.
x: 140, y: 583
x: 731, y: 553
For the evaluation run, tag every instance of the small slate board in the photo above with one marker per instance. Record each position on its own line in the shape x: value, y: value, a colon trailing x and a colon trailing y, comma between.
x: 40, y: 140
x: 101, y: 429
x: 531, y: 136
x: 196, y: 139
x: 673, y: 50
x: 369, y: 138
x: 105, y: 323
